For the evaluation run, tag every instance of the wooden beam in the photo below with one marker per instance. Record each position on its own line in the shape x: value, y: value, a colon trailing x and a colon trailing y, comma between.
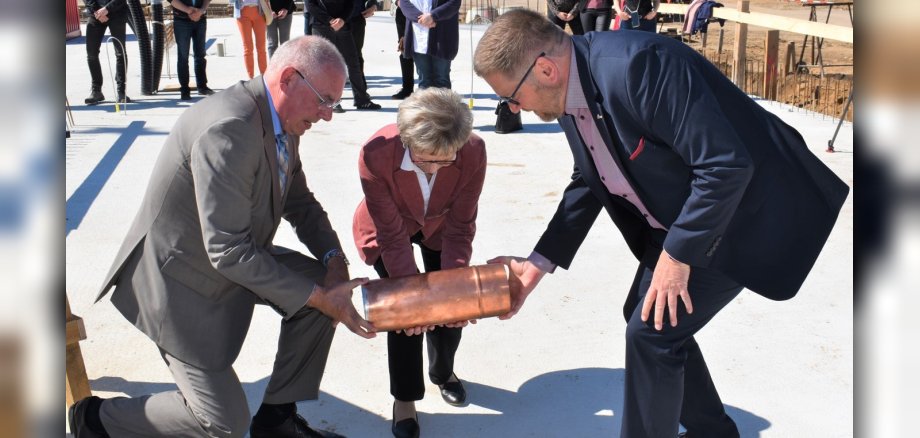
x: 739, y: 62
x: 771, y: 58
x: 776, y: 22
x: 75, y: 380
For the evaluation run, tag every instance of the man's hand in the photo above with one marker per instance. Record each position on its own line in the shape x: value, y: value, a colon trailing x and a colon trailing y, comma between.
x: 336, y: 272
x: 669, y: 281
x: 401, y: 45
x: 335, y: 302
x: 624, y: 15
x: 569, y: 16
x: 195, y: 14
x: 281, y: 14
x: 650, y: 16
x: 524, y: 278
x: 561, y: 16
x: 369, y: 12
x: 337, y: 24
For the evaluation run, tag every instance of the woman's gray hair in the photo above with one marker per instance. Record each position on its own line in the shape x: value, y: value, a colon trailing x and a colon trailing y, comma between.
x: 513, y: 40
x: 310, y: 55
x: 434, y: 121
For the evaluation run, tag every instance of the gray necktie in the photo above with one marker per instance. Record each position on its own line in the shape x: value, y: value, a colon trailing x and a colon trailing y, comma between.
x: 281, y: 143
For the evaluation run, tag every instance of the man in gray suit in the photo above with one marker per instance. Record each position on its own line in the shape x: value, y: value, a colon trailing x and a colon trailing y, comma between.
x: 199, y: 256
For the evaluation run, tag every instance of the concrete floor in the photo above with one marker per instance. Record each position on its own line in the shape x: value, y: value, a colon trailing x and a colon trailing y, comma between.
x: 784, y: 369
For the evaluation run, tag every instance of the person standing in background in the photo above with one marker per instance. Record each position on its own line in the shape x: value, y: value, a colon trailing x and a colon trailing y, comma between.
x: 307, y: 18
x: 190, y: 27
x: 432, y: 39
x: 638, y: 14
x: 250, y: 19
x: 596, y: 15
x: 331, y: 21
x: 561, y: 12
x: 406, y: 65
x: 364, y: 9
x: 279, y: 30
x: 114, y: 16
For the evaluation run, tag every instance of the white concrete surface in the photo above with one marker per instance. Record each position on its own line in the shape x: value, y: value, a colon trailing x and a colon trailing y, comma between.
x: 784, y: 369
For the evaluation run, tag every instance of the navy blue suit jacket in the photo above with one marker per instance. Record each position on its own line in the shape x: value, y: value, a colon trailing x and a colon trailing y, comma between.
x: 738, y: 188
x: 444, y: 39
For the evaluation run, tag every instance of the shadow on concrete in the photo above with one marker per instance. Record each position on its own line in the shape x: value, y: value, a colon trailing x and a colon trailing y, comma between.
x: 529, y: 128
x: 83, y: 197
x: 583, y: 402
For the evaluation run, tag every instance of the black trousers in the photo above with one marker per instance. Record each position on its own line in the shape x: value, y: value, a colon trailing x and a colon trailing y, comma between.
x: 95, y: 31
x: 595, y: 20
x: 358, y: 29
x: 575, y: 24
x: 345, y: 42
x: 404, y: 353
x: 667, y: 380
x: 406, y: 65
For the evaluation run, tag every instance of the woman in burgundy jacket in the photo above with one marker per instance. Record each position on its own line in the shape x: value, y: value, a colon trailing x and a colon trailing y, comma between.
x: 421, y: 178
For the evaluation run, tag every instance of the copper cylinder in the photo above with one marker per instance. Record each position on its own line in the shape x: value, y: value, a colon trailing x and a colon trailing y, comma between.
x: 437, y: 297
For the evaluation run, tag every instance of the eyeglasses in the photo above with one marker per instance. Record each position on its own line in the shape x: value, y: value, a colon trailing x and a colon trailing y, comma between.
x: 511, y: 99
x: 436, y: 162
x: 328, y: 103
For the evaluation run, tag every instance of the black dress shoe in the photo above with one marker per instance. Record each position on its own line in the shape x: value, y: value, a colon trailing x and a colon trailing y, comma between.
x: 76, y: 418
x: 404, y: 93
x: 123, y: 98
x: 407, y: 428
x: 453, y: 392
x: 205, y: 91
x: 294, y: 427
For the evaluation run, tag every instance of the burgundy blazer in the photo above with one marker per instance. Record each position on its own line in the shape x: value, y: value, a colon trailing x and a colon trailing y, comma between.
x: 392, y: 209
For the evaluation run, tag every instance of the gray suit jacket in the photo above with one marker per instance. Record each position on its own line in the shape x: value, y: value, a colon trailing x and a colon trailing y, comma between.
x: 199, y: 253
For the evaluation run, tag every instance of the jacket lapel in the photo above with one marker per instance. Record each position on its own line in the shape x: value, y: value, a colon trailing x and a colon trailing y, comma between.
x: 407, y: 184
x: 444, y: 186
x: 257, y: 88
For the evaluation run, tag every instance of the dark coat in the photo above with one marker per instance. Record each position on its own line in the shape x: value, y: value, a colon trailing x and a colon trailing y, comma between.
x: 444, y: 39
x: 737, y: 187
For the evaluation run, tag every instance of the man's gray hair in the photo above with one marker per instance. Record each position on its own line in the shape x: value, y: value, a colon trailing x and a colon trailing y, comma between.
x: 310, y: 55
x: 514, y: 40
x: 434, y: 121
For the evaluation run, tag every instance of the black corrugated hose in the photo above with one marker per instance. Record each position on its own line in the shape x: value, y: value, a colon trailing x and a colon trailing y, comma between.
x: 143, y: 43
x: 159, y: 33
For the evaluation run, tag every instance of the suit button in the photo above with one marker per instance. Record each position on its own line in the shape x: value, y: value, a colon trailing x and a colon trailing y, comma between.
x: 603, y: 179
x: 581, y: 117
x: 625, y: 195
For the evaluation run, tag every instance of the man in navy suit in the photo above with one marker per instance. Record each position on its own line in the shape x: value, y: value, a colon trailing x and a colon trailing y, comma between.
x: 710, y: 191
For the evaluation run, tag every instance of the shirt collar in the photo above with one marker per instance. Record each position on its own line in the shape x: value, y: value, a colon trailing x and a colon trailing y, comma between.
x: 276, y: 123
x: 575, y: 96
x: 407, y: 163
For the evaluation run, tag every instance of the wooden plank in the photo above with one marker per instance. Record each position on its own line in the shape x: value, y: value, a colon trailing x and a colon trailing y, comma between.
x: 76, y: 332
x: 77, y: 384
x: 739, y: 62
x: 75, y: 380
x: 786, y: 24
x: 771, y: 57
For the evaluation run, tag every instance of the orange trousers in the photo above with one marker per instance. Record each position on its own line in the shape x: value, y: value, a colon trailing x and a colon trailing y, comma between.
x: 251, y: 21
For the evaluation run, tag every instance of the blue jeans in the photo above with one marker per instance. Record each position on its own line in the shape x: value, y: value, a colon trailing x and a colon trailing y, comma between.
x: 192, y: 33
x: 432, y: 71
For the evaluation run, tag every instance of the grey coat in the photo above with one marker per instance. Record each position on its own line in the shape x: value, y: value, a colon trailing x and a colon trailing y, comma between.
x: 198, y: 256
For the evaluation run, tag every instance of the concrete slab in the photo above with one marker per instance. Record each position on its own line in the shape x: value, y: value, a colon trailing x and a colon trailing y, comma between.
x: 783, y: 369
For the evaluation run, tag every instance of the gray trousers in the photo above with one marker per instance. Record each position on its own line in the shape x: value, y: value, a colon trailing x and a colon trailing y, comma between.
x: 278, y: 32
x: 212, y: 403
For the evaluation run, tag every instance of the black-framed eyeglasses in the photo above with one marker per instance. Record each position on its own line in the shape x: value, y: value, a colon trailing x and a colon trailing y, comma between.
x: 328, y: 103
x: 436, y: 162
x: 511, y: 99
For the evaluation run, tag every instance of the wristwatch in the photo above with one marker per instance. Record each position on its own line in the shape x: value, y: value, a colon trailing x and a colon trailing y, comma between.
x: 335, y: 253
